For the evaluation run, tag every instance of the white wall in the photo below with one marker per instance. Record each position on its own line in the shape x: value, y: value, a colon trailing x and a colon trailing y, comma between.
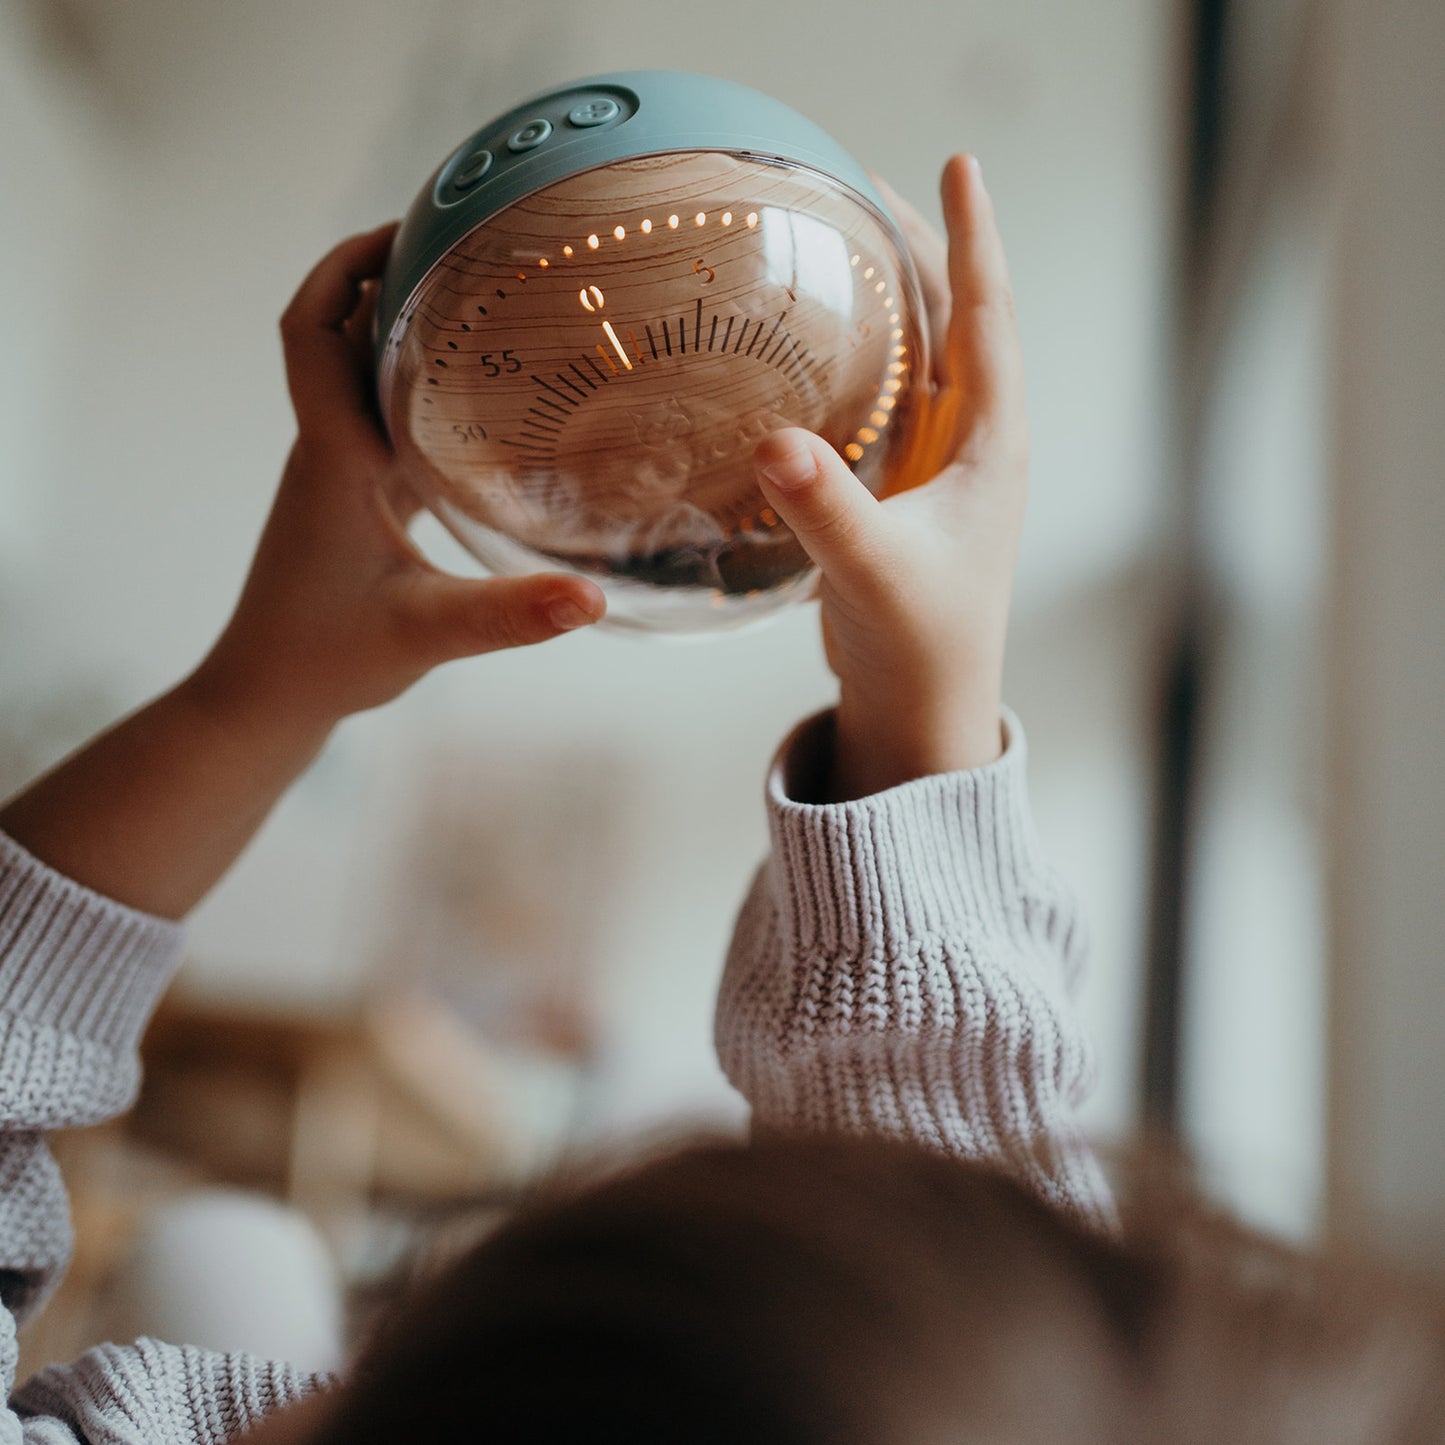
x: 1387, y: 698
x: 220, y: 149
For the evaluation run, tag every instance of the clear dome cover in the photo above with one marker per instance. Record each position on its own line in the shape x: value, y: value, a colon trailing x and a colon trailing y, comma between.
x: 580, y: 381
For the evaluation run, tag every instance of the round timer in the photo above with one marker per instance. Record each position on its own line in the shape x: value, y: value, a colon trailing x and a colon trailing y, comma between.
x: 600, y: 304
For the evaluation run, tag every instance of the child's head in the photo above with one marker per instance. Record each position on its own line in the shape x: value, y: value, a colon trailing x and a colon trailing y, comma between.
x: 836, y: 1291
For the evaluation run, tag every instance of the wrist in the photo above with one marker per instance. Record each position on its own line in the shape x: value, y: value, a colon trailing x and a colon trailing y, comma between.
x: 882, y: 743
x: 253, y: 719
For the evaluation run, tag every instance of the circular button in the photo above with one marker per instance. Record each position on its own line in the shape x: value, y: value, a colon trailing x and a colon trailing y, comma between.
x: 530, y: 136
x: 471, y: 170
x: 594, y: 112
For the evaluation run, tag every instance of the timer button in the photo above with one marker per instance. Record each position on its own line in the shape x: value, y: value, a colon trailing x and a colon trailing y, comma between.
x: 471, y: 170
x: 594, y: 112
x: 530, y: 136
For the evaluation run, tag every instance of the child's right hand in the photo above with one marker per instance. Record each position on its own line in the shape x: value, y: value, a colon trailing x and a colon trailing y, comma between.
x: 915, y: 589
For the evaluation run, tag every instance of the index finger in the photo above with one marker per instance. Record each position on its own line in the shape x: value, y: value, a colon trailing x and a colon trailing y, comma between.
x: 985, y: 359
x: 326, y: 379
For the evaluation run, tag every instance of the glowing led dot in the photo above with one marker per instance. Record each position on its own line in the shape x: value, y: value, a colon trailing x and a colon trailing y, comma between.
x: 878, y: 418
x: 881, y: 287
x: 893, y: 384
x: 853, y: 452
x: 867, y: 434
x: 701, y: 218
x: 899, y: 351
x: 593, y: 242
x: 768, y: 517
x: 868, y: 274
x: 888, y: 301
x: 672, y: 223
x: 727, y: 218
x: 543, y: 262
x: 647, y: 228
x: 897, y: 367
x: 894, y: 318
x: 896, y: 334
x: 887, y: 402
x: 566, y: 250
x: 855, y: 260
x: 618, y: 232
x: 746, y: 525
x: 752, y: 218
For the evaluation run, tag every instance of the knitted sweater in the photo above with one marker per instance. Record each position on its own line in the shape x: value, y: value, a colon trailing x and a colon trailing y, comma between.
x: 900, y: 966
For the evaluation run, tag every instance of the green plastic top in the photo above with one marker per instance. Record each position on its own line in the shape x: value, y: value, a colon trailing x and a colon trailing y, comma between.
x: 559, y: 133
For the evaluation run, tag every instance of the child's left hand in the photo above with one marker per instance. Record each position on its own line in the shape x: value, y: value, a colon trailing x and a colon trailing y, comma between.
x: 340, y: 611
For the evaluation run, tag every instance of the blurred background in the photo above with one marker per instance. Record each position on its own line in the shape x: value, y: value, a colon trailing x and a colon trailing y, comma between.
x: 485, y: 930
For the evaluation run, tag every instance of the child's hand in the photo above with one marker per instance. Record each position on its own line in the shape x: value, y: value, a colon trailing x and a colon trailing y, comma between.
x: 340, y: 611
x: 915, y: 589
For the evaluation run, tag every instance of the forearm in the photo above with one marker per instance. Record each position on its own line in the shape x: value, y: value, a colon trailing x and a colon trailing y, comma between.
x: 154, y: 811
x: 902, y: 967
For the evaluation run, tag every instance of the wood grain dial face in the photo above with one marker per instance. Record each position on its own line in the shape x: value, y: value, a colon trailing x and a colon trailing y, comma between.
x: 583, y: 378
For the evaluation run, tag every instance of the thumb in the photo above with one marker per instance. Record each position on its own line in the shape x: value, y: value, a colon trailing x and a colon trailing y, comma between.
x: 449, y: 617
x: 839, y: 522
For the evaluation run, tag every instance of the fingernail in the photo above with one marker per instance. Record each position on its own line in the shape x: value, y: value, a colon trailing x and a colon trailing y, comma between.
x: 793, y: 468
x: 568, y: 615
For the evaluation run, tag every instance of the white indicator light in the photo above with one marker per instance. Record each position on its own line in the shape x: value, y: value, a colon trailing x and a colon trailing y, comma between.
x: 701, y: 218
x: 752, y: 218
x: 727, y: 218
x: 616, y: 344
x: 672, y: 223
x: 855, y: 260
x: 566, y: 250
x: 589, y: 295
x: 618, y: 232
x: 593, y: 242
x: 868, y: 274
x: 647, y: 228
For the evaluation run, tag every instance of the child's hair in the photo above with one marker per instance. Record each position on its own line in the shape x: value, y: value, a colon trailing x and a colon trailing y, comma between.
x: 838, y: 1291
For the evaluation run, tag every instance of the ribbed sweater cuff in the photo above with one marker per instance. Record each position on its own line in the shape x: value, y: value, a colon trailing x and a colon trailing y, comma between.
x: 74, y: 961
x: 905, y: 863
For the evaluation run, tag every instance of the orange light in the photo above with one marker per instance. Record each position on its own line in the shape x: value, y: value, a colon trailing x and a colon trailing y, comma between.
x: 672, y: 223
x: 853, y: 452
x: 618, y: 232
x: 593, y: 242
x: 768, y: 517
x: 896, y: 334
x: 899, y: 351
x: 542, y: 262
x: 887, y: 402
x: 647, y: 228
x: 589, y: 295
x: 893, y: 384
x: 727, y: 218
x: 897, y: 368
x: 867, y: 434
x: 701, y: 218
x: 878, y: 418
x: 566, y: 250
x: 752, y: 218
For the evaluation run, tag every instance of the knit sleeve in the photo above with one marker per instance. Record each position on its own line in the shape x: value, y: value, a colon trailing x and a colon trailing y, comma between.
x: 79, y: 977
x: 902, y: 966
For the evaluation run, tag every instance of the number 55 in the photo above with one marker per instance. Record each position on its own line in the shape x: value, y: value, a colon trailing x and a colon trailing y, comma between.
x: 509, y: 362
